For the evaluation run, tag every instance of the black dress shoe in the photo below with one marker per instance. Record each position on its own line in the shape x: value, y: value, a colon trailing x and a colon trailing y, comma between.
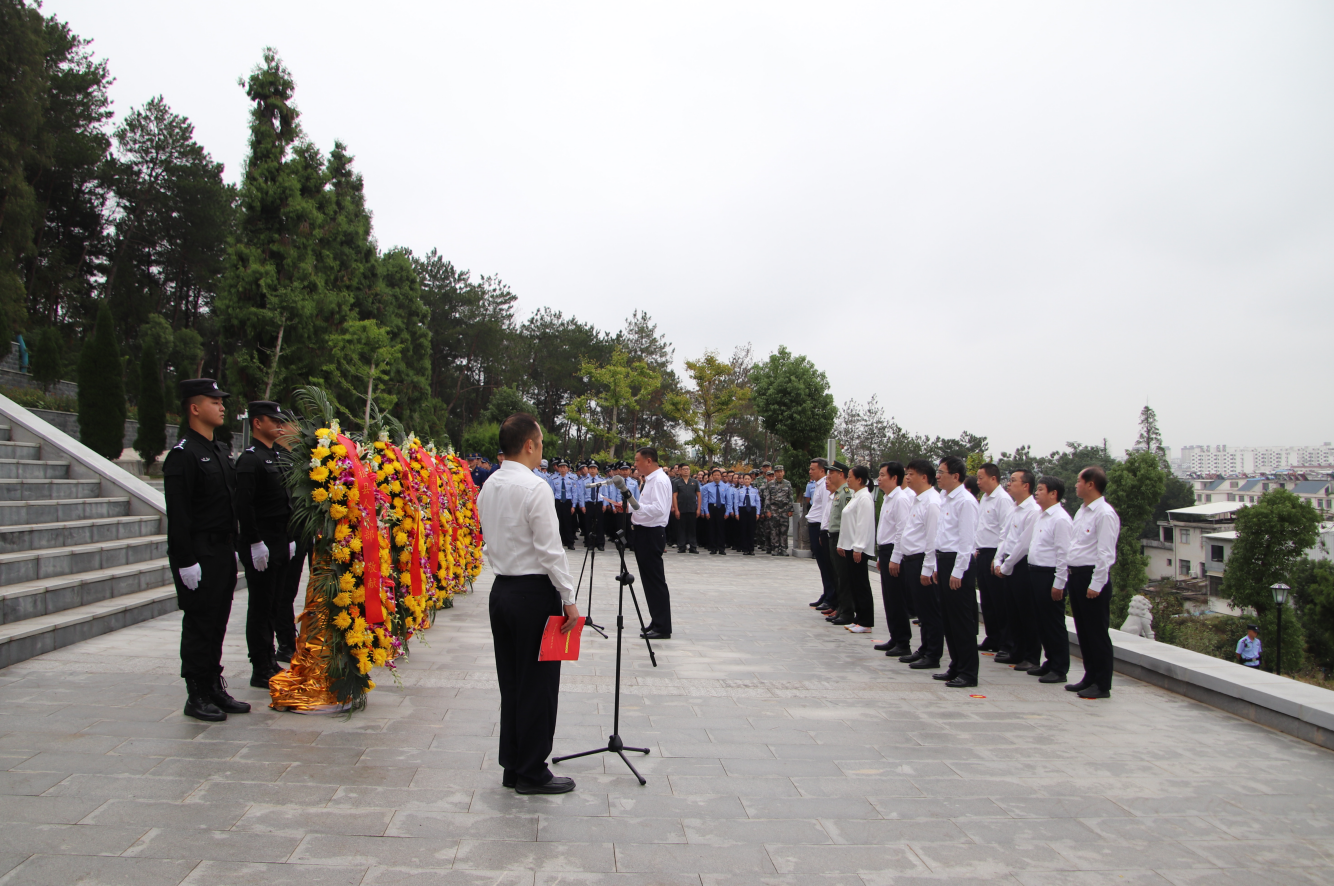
x: 1003, y: 658
x: 694, y: 551
x: 509, y: 779
x: 1052, y: 677
x: 898, y: 652
x: 557, y: 785
x: 259, y: 676
x: 925, y: 664
x: 1094, y: 692
x: 651, y: 635
x: 1023, y: 665
x: 961, y: 683
x: 1038, y: 671
x: 711, y: 553
x: 883, y: 647
x: 911, y: 657
x: 284, y: 653
x: 840, y: 621
x: 224, y: 702
x: 818, y: 604
x: 943, y: 676
x: 1075, y: 687
x: 199, y: 705
x: 986, y: 646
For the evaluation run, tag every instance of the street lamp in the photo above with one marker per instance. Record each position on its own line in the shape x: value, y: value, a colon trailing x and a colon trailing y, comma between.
x: 1280, y: 591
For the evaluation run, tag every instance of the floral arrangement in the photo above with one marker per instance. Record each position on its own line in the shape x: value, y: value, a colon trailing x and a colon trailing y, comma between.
x: 434, y: 519
x: 398, y: 518
x: 468, y: 523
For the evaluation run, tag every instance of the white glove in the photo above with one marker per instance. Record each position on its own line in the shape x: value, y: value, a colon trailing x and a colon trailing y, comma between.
x: 191, y: 575
x: 291, y: 549
x: 259, y: 555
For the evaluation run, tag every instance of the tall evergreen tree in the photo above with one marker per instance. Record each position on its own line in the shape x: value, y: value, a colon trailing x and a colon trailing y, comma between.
x: 102, y: 409
x: 152, y: 436
x: 48, y: 358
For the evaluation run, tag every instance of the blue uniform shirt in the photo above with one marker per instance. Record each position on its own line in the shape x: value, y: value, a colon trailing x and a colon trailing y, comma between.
x: 562, y: 487
x: 1249, y: 650
x: 747, y: 497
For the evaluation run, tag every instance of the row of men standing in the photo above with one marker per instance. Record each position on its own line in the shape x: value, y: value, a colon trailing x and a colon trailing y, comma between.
x: 742, y: 510
x: 936, y: 549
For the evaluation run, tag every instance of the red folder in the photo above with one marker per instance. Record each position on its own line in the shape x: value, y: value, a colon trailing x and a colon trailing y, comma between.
x: 557, y: 646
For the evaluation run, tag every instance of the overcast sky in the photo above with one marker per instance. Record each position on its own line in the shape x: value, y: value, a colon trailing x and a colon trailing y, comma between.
x: 1021, y: 219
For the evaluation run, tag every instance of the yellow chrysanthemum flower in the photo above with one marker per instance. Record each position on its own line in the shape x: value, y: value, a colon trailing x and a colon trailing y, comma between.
x: 342, y: 555
x: 360, y: 624
x: 359, y: 594
x: 346, y: 581
x: 342, y: 531
x: 319, y: 494
x: 358, y: 567
x: 338, y: 512
x: 338, y: 493
x: 396, y: 486
x: 408, y: 524
x: 352, y: 638
x: 370, y: 684
x: 400, y: 538
x: 364, y: 666
x: 383, y: 487
x: 320, y: 452
x: 324, y: 432
x: 380, y: 656
x: 340, y: 450
x: 320, y: 474
x: 379, y: 444
x: 342, y: 621
x: 355, y: 544
x: 343, y: 599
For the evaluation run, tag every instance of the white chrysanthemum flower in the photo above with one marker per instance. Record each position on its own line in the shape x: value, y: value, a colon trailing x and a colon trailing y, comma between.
x: 384, y: 436
x: 315, y: 463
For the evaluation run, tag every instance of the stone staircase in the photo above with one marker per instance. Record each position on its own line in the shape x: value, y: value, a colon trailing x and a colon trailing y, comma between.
x: 78, y: 557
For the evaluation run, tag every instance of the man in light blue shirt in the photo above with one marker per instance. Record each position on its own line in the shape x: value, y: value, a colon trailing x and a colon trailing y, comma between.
x: 718, y: 504
x: 1248, y: 647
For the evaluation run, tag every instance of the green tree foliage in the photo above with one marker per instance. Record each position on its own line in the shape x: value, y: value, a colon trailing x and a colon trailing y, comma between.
x: 1312, y: 583
x: 1065, y: 464
x: 793, y: 400
x: 1150, y: 439
x: 553, y: 349
x: 102, y: 408
x: 48, y: 358
x: 482, y: 438
x: 715, y: 398
x: 504, y: 403
x: 1134, y: 487
x: 152, y: 436
x: 618, y: 388
x: 1272, y: 536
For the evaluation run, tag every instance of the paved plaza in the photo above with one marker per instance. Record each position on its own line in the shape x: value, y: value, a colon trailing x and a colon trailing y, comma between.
x: 783, y: 751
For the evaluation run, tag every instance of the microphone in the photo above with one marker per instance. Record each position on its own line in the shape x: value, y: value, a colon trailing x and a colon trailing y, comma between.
x: 619, y: 482
x: 600, y: 483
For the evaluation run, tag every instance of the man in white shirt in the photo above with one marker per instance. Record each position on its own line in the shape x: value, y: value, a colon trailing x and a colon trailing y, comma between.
x: 1047, y: 554
x: 650, y: 540
x: 914, y: 559
x: 1010, y: 568
x: 1092, y: 554
x: 819, y: 504
x: 893, y: 515
x: 954, y: 578
x: 994, y: 511
x: 523, y: 547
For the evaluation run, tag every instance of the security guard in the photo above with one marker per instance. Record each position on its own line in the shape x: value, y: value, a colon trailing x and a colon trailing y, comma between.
x: 284, y: 621
x: 263, y: 507
x: 1248, y: 647
x: 201, y: 547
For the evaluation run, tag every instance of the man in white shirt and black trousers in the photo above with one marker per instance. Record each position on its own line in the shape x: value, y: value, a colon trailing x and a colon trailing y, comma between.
x: 955, y: 578
x: 914, y: 562
x: 523, y: 547
x: 1047, y: 575
x: 650, y: 540
x: 1092, y: 554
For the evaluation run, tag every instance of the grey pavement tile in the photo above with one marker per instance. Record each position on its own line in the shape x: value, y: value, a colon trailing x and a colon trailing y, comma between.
x: 298, y: 753
x: 352, y: 851
x: 1259, y: 854
x: 29, y: 783
x: 87, y: 764
x: 873, y: 832
x: 46, y: 810
x: 231, y: 873
x: 738, y: 785
x: 261, y: 792
x: 461, y: 825
x: 620, y: 829
x: 421, y: 757
x: 840, y: 752
x: 933, y: 807
x: 499, y: 855
x: 990, y: 860
x: 78, y: 743
x: 975, y: 787
x: 712, y: 832
x: 809, y: 807
x: 1027, y: 830
x: 656, y: 878
x: 194, y: 750
x: 180, y: 729
x: 898, y: 859
x: 219, y: 770
x: 378, y: 875
x: 1062, y: 807
x: 1158, y: 828
x: 1091, y: 855
x: 692, y: 858
x: 378, y: 776
x: 111, y: 787
x: 1273, y: 876
x: 213, y: 845
x: 302, y: 820
x: 859, y: 786
x: 146, y: 814
x: 789, y: 768
x: 715, y: 750
x: 92, y: 870
x: 66, y: 839
x: 791, y: 879
x: 659, y: 806
x: 1130, y: 877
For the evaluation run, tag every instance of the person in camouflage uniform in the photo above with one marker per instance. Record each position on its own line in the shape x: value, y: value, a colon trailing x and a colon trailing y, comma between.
x: 777, y: 504
x: 761, y: 523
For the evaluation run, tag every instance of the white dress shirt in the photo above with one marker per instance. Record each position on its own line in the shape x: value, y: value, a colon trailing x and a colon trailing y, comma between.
x: 1096, y: 528
x: 893, y: 514
x: 826, y: 499
x: 655, y: 500
x: 1018, y: 535
x: 957, y: 528
x: 919, y: 531
x: 995, y: 511
x: 1051, y: 541
x: 858, y: 527
x: 819, y: 505
x: 520, y: 527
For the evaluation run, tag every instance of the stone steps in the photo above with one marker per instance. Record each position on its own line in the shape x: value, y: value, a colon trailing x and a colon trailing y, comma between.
x: 46, y: 596
x: 27, y: 451
x: 34, y: 636
x: 24, y: 513
x: 32, y: 469
x: 44, y: 490
x: 72, y: 559
x: 36, y: 536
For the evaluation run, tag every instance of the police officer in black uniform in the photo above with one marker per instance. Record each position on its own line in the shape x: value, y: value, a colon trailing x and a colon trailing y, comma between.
x: 201, y: 546
x: 263, y: 507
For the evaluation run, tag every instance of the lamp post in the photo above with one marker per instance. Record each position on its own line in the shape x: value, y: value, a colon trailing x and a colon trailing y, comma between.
x: 1280, y: 591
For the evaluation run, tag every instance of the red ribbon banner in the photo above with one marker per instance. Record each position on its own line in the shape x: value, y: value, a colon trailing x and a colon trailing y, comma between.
x: 434, y: 551
x: 370, y: 534
x: 410, y: 488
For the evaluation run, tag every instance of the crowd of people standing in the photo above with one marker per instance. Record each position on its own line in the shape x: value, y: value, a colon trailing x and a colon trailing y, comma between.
x: 940, y: 548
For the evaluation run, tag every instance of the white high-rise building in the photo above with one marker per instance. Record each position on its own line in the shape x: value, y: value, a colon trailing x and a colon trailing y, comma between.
x: 1222, y: 459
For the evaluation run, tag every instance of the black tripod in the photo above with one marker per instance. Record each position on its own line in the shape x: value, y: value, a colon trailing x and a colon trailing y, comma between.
x: 590, y: 560
x: 614, y: 743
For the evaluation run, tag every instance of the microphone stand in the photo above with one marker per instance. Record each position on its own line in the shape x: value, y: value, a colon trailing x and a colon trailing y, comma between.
x: 590, y: 560
x: 614, y: 743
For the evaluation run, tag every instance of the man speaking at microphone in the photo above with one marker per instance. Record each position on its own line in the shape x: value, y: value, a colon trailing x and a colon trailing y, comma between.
x: 523, y: 546
x: 650, y: 540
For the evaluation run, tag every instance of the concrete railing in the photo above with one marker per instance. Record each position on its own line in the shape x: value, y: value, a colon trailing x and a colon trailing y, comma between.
x: 84, y: 463
x: 1299, y: 709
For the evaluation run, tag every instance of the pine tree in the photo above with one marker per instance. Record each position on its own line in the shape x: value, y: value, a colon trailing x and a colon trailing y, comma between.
x: 1150, y: 438
x: 152, y: 438
x: 102, y: 407
x: 48, y: 358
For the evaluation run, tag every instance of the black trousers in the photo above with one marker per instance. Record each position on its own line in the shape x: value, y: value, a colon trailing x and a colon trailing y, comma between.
x: 703, y: 528
x: 891, y: 594
x: 859, y: 588
x: 746, y: 539
x: 593, y: 535
x: 262, y: 591
x: 686, y: 531
x: 717, y: 531
x: 958, y: 609
x: 1025, y: 642
x: 930, y: 622
x: 650, y: 542
x: 519, y: 607
x: 829, y: 591
x: 565, y: 520
x: 839, y: 567
x: 205, y: 610
x: 1092, y: 621
x: 284, y: 603
x: 994, y: 601
x: 1050, y: 619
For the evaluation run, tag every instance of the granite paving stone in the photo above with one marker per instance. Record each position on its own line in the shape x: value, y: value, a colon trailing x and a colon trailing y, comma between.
x: 784, y: 752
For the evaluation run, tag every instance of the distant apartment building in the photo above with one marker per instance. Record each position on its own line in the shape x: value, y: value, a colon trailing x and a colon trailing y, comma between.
x: 1247, y: 490
x: 1224, y: 459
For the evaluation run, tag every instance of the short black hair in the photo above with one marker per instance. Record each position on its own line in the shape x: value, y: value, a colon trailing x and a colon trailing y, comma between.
x: 821, y: 464
x: 649, y: 452
x: 1053, y: 484
x: 517, y: 430
x: 1026, y: 477
x: 715, y: 471
x: 990, y: 470
x: 925, y: 468
x: 952, y: 464
x: 895, y: 470
x: 862, y: 473
x: 970, y: 483
x: 1095, y: 475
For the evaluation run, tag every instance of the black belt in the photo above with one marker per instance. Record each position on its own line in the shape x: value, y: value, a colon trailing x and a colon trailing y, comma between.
x: 1051, y: 569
